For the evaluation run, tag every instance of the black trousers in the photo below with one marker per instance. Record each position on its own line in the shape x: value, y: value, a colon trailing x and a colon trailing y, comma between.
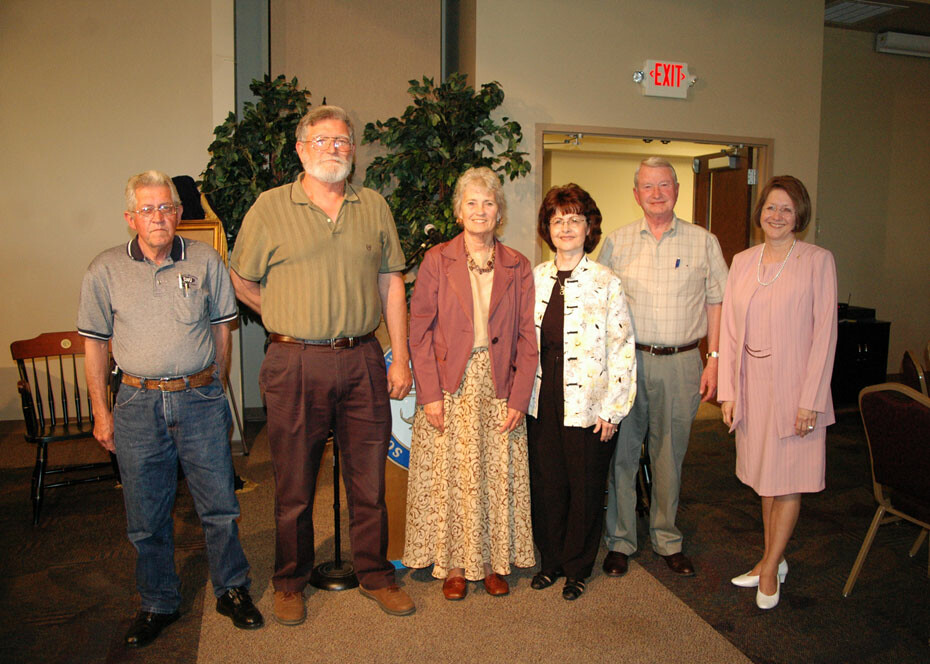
x: 568, y: 478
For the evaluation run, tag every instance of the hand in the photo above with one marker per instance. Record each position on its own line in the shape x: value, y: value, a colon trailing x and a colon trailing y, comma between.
x: 514, y: 417
x: 435, y: 415
x: 399, y: 379
x: 805, y: 422
x: 709, y: 380
x: 103, y: 430
x: 606, y: 429
x: 726, y: 409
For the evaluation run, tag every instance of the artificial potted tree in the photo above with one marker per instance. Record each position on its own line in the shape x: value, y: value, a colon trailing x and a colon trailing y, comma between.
x: 446, y: 130
x: 253, y: 154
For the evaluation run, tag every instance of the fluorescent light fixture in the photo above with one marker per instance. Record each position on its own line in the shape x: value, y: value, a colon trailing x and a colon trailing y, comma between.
x: 902, y: 43
x: 849, y: 12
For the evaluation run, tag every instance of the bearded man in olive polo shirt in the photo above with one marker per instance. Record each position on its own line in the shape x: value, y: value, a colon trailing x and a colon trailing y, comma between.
x: 320, y: 260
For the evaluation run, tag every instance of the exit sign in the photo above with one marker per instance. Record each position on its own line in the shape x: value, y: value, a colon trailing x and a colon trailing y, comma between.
x: 661, y: 78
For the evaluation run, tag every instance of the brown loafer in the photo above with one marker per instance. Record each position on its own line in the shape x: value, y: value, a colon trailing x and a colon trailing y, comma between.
x: 496, y: 585
x: 454, y: 588
x: 616, y: 563
x: 392, y: 600
x: 289, y: 608
x: 680, y: 564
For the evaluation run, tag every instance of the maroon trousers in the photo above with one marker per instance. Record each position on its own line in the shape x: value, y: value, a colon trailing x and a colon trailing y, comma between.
x: 310, y: 390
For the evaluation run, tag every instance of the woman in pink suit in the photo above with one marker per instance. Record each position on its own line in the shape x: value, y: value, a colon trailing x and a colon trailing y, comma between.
x: 777, y: 341
x: 473, y: 346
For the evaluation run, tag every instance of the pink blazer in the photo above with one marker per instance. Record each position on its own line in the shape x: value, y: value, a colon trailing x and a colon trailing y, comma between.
x: 442, y: 333
x: 803, y: 333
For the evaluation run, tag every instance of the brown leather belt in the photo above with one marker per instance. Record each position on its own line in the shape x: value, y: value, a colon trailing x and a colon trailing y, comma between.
x: 666, y: 350
x: 199, y: 379
x: 340, y: 342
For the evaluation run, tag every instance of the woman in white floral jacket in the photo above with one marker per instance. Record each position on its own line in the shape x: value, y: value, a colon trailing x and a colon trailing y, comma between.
x: 585, y: 384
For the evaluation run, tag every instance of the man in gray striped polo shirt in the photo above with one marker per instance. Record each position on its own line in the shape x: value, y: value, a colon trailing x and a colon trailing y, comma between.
x: 166, y: 303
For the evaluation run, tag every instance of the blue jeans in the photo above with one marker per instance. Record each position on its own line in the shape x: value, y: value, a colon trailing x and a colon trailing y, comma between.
x: 153, y: 431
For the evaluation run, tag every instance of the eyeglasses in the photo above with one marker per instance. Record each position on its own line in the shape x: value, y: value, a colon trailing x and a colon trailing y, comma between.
x: 567, y: 222
x: 148, y: 211
x: 321, y: 143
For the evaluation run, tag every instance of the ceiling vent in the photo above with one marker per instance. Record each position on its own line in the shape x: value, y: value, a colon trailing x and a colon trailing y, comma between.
x: 850, y: 12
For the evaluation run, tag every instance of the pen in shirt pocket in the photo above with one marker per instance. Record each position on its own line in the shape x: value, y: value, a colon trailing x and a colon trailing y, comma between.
x: 677, y: 263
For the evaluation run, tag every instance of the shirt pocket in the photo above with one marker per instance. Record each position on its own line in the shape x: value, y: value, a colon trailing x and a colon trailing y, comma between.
x: 189, y: 306
x: 685, y: 283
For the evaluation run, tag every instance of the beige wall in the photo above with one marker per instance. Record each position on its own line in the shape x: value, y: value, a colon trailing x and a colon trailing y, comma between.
x: 93, y: 91
x: 874, y: 191
x: 609, y: 180
x: 358, y: 54
x: 758, y: 65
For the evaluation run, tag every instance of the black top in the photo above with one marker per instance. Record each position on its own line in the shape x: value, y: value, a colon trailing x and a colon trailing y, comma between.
x: 550, y: 332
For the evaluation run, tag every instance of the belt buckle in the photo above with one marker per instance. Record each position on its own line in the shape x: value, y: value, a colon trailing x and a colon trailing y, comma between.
x: 341, y: 342
x: 652, y: 350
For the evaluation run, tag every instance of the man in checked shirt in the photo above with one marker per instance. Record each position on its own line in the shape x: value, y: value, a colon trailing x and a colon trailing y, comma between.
x: 673, y: 274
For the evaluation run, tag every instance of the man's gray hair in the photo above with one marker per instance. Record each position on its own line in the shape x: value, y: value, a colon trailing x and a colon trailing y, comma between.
x: 321, y: 113
x: 654, y: 162
x: 484, y: 178
x: 149, y: 179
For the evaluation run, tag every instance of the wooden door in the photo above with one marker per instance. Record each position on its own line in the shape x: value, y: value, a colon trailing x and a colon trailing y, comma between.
x: 723, y: 197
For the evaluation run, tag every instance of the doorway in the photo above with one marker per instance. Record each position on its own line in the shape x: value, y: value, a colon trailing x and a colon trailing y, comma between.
x: 710, y: 169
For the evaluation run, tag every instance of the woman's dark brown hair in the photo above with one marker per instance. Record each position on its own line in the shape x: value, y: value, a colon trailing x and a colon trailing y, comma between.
x: 570, y: 199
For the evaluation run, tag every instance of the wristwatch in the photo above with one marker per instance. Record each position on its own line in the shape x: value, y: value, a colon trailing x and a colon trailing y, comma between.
x: 712, y: 354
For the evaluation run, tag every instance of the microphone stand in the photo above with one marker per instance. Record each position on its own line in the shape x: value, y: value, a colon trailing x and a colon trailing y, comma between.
x: 337, y: 574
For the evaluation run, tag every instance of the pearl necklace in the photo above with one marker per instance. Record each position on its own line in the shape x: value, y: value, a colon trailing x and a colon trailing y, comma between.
x: 783, y: 263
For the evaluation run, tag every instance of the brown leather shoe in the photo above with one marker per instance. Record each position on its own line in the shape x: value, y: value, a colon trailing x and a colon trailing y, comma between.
x: 616, y: 563
x: 680, y: 564
x: 289, y: 608
x: 454, y: 588
x: 391, y: 599
x: 496, y: 585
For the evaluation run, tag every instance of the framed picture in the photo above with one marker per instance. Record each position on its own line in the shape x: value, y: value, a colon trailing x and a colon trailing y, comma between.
x: 208, y: 231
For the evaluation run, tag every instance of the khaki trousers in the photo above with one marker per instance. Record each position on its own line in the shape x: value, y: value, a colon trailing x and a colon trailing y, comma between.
x: 667, y: 399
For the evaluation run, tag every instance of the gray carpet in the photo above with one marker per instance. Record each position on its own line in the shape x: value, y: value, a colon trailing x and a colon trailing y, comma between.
x: 634, y: 619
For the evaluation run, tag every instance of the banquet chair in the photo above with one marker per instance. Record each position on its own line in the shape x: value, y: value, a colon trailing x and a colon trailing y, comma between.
x: 896, y: 419
x: 56, y: 408
x: 913, y: 373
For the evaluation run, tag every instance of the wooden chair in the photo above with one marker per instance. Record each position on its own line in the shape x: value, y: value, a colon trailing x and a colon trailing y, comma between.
x: 51, y: 381
x: 897, y: 429
x: 913, y: 373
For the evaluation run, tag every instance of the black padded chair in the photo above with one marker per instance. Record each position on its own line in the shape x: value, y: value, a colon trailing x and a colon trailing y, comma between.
x: 56, y: 408
x: 897, y: 429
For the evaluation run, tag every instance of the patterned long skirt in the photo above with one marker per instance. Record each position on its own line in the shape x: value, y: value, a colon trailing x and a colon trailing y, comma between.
x: 468, y: 493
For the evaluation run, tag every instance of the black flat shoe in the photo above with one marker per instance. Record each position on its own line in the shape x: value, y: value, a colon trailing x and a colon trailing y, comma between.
x: 543, y: 580
x: 237, y: 604
x: 146, y: 626
x: 574, y: 588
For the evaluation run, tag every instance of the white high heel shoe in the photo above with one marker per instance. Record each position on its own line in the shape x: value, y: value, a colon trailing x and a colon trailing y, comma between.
x: 748, y: 580
x: 764, y: 601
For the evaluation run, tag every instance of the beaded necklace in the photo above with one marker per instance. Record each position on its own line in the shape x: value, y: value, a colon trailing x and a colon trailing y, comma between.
x: 473, y: 266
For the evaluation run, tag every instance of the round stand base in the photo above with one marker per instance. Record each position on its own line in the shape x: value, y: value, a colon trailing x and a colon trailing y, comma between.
x: 330, y: 576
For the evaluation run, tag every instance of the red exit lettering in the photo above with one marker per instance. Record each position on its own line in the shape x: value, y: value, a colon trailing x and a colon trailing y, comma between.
x: 667, y: 75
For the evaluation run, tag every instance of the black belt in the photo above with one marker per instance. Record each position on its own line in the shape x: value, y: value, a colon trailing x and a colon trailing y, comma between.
x: 666, y: 350
x: 339, y: 342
